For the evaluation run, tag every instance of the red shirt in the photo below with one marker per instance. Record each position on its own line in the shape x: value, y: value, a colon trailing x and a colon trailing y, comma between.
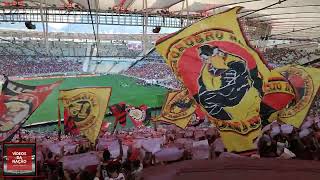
x: 92, y: 169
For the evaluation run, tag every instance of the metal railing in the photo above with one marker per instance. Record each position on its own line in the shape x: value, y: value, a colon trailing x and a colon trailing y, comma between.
x: 83, y: 17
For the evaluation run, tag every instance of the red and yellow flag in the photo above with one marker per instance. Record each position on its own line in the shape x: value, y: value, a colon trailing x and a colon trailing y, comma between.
x: 223, y: 73
x: 86, y: 107
x: 178, y: 109
x: 305, y: 82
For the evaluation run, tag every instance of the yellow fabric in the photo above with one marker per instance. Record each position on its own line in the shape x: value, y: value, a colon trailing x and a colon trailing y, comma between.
x: 238, y: 142
x: 174, y: 115
x: 279, y: 87
x: 89, y: 106
x: 278, y: 84
x: 211, y: 82
x: 237, y: 134
x: 296, y: 114
x: 218, y: 62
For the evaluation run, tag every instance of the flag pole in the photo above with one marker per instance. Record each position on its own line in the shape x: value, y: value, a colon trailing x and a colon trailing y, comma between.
x: 155, y: 125
x: 59, y: 121
x: 20, y: 137
x: 153, y: 120
x: 115, y: 125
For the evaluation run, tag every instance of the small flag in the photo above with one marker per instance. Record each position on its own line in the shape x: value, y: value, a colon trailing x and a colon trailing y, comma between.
x: 178, y: 109
x: 120, y: 114
x: 137, y: 115
x: 85, y: 109
x: 305, y: 82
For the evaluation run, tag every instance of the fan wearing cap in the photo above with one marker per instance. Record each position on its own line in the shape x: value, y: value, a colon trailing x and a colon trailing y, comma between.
x: 224, y: 83
x: 132, y: 165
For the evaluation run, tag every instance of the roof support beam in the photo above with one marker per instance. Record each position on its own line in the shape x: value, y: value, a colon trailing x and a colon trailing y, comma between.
x: 45, y: 39
x: 145, y: 26
x: 97, y: 24
x: 276, y: 19
x: 286, y: 7
x: 187, y: 5
x: 266, y: 7
x: 279, y: 14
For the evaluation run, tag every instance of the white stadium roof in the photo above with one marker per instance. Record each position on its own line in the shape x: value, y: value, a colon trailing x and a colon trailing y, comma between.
x: 289, y: 18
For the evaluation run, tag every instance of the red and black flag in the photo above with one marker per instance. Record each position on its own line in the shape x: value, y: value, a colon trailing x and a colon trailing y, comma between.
x: 119, y: 112
x: 17, y: 103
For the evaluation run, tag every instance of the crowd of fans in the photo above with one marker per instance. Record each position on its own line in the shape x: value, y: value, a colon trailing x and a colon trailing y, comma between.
x: 153, y: 70
x: 24, y: 65
x: 171, y: 83
x: 124, y: 154
x: 315, y: 108
x: 286, y: 141
x: 284, y: 56
x: 150, y: 71
x: 154, y: 73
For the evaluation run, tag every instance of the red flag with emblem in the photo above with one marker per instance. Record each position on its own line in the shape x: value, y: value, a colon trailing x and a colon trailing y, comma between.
x: 137, y: 115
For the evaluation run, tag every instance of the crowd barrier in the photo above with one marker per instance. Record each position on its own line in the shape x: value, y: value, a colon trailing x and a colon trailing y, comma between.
x: 51, y: 76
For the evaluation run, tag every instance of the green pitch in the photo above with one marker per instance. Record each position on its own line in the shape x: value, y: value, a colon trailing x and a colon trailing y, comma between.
x: 123, y: 89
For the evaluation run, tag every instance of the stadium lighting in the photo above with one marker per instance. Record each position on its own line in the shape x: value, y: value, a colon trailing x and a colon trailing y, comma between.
x: 156, y: 29
x: 29, y: 25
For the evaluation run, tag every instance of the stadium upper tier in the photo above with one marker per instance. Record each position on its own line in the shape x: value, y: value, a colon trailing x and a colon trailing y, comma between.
x: 150, y: 68
x: 67, y: 49
x: 294, y: 19
x: 27, y: 34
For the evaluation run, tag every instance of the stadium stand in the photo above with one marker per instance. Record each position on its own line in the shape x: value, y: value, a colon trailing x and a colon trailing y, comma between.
x: 152, y: 70
x: 67, y: 49
x: 24, y: 65
x: 284, y: 56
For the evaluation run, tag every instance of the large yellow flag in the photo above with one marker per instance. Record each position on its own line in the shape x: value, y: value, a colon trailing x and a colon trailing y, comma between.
x: 223, y: 73
x: 86, y: 107
x: 305, y: 82
x: 178, y: 109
